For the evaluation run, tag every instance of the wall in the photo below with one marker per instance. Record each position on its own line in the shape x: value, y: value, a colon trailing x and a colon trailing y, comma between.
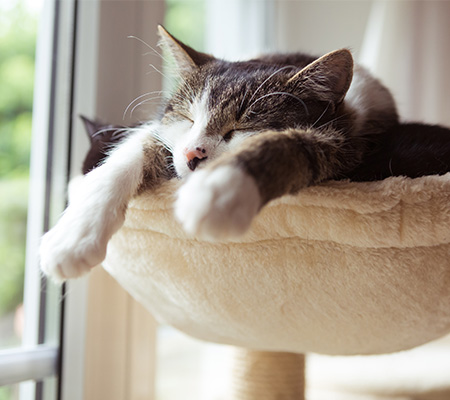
x: 318, y: 27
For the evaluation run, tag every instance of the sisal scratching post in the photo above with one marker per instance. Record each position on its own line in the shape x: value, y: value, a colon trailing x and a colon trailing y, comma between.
x: 261, y: 375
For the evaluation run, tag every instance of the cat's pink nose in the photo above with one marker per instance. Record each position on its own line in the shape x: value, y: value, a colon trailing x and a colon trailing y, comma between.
x: 194, y: 156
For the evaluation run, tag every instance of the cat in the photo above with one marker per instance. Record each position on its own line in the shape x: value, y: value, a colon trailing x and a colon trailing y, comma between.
x: 239, y: 134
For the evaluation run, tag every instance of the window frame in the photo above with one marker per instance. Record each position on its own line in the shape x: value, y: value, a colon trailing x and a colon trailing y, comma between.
x: 38, y: 357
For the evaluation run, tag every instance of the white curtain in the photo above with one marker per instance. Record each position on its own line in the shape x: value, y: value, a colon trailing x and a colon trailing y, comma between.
x: 238, y: 29
x: 407, y: 45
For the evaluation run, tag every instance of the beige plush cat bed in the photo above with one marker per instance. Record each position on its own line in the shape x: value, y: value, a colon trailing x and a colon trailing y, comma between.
x: 341, y: 268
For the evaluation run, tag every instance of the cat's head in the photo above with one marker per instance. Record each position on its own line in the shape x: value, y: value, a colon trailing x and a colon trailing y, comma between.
x: 218, y: 104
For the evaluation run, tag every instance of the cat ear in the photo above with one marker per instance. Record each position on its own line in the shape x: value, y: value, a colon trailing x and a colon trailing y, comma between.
x: 92, y: 127
x: 328, y: 77
x: 100, y: 132
x: 186, y: 57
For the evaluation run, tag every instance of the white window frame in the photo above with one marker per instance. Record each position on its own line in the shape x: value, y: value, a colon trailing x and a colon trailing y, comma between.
x: 38, y: 357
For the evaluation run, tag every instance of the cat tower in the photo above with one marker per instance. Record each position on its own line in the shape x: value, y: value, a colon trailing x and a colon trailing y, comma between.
x: 342, y: 268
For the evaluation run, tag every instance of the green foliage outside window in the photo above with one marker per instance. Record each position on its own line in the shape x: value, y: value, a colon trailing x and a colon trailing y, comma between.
x: 7, y: 392
x: 17, y: 48
x: 17, y: 54
x: 185, y: 19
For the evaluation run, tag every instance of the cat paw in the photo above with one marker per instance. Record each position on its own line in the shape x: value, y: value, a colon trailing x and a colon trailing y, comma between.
x: 71, y: 249
x: 218, y: 204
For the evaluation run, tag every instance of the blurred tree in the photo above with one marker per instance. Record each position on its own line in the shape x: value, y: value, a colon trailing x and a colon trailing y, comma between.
x: 185, y: 19
x: 5, y: 393
x: 17, y: 54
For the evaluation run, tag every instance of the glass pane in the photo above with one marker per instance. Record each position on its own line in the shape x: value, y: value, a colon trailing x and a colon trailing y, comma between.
x: 10, y: 392
x: 185, y: 19
x: 18, y: 23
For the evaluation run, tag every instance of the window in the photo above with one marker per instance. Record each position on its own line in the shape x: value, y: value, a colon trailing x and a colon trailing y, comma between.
x: 38, y: 321
x: 16, y: 78
x: 27, y: 348
x: 9, y: 392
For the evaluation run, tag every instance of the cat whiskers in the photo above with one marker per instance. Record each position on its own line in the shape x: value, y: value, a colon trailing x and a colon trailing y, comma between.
x: 167, y: 144
x: 159, y: 92
x: 117, y: 132
x: 158, y: 71
x: 242, y: 102
x: 321, y: 115
x: 143, y: 102
x: 158, y: 97
x: 166, y: 61
x: 153, y: 50
x: 169, y: 162
x: 331, y: 121
x: 120, y: 133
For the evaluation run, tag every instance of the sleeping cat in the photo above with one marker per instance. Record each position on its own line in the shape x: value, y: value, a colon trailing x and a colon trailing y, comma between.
x: 239, y: 134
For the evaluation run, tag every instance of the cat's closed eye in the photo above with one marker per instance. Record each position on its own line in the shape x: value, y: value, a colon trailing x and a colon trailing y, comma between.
x: 185, y: 117
x: 228, y: 136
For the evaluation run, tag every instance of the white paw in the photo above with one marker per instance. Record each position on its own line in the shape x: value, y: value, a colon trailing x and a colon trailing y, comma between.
x: 73, y: 246
x: 218, y: 204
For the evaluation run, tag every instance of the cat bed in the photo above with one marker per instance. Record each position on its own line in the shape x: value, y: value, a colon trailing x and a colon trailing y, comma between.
x: 340, y: 268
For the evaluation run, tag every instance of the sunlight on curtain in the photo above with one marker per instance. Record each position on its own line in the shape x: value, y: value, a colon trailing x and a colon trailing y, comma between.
x: 406, y: 46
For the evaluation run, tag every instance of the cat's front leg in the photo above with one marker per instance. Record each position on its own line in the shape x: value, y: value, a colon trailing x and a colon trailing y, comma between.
x: 217, y: 203
x: 221, y: 200
x: 96, y: 211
